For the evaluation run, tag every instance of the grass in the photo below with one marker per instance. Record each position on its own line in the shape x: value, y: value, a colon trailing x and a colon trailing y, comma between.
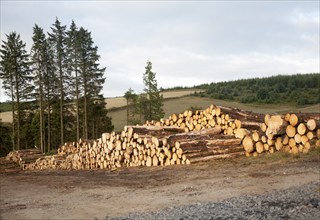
x: 5, y: 107
x: 265, y: 158
x: 178, y: 105
x: 118, y: 102
x: 178, y: 101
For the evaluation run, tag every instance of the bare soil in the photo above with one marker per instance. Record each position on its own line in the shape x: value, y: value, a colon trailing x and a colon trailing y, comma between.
x: 89, y: 194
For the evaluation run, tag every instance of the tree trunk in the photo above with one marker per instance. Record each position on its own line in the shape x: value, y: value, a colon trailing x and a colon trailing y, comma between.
x: 61, y: 104
x: 13, y: 117
x: 77, y: 105
x: 18, y: 108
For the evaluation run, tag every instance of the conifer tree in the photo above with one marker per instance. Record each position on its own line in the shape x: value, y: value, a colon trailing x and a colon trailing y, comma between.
x: 90, y: 73
x: 57, y: 41
x: 38, y: 56
x: 155, y: 99
x: 15, y: 73
x: 73, y: 56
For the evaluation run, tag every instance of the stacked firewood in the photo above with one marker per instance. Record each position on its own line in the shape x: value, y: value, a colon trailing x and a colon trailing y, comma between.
x: 216, y: 132
x: 134, y: 146
x: 200, y: 119
x: 293, y: 133
x: 24, y: 157
x: 46, y: 162
x: 68, y: 148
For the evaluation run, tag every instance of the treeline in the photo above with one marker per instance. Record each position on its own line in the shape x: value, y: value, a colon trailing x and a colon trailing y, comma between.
x: 299, y: 89
x: 55, y: 90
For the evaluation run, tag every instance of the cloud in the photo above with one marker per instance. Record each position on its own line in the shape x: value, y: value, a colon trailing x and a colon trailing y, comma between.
x: 188, y: 42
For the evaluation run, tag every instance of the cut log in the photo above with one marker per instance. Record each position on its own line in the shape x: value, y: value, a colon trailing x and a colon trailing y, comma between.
x: 241, y: 133
x: 290, y: 131
x: 259, y: 147
x: 297, y: 138
x: 312, y: 124
x: 310, y: 135
x: 193, y: 135
x: 301, y: 129
x: 276, y: 125
x: 248, y: 144
x: 294, y: 120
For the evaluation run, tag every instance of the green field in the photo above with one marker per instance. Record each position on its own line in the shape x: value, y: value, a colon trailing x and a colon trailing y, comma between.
x: 178, y: 105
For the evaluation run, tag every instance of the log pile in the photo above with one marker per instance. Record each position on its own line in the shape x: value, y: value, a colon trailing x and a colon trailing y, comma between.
x: 292, y: 133
x: 24, y: 157
x: 46, y: 162
x: 230, y: 119
x: 216, y: 132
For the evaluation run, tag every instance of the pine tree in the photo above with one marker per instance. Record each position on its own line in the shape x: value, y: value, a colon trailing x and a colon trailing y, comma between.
x: 15, y: 73
x: 131, y: 99
x: 99, y: 122
x: 155, y: 99
x: 38, y: 54
x: 91, y: 75
x: 50, y: 87
x: 73, y: 56
x: 57, y: 41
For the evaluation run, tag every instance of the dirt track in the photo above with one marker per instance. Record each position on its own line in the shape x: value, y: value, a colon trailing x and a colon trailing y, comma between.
x: 100, y: 193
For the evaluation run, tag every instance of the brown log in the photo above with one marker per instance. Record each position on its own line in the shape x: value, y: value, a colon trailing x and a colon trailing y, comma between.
x: 219, y: 156
x: 193, y: 135
x: 156, y: 130
x: 251, y: 125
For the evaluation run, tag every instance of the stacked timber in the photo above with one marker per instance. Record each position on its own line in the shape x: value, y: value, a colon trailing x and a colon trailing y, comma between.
x: 229, y: 119
x: 293, y: 133
x: 68, y: 148
x: 188, y: 137
x: 46, y: 162
x: 24, y: 157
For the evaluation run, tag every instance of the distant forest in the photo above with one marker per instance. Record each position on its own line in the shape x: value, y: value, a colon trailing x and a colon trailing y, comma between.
x: 299, y: 89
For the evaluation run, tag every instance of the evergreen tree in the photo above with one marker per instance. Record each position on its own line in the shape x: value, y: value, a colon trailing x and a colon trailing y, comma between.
x: 155, y: 99
x: 15, y: 73
x: 57, y: 41
x: 73, y: 56
x: 38, y: 54
x: 90, y: 74
x: 99, y: 122
x: 131, y: 99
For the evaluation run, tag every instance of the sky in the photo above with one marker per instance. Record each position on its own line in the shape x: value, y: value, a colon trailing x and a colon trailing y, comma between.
x: 188, y: 42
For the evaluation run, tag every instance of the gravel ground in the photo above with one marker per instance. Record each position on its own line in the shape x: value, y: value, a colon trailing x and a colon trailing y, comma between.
x: 293, y: 203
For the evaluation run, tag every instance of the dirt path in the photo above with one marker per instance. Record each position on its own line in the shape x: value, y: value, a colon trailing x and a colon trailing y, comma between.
x: 100, y: 193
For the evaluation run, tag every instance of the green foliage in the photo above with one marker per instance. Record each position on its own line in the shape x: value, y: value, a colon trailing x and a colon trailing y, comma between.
x: 15, y: 74
x: 299, y: 89
x: 67, y: 80
x: 155, y: 99
x: 5, y: 139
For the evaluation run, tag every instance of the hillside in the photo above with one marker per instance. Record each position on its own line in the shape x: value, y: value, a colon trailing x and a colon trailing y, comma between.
x: 299, y: 90
x: 180, y: 104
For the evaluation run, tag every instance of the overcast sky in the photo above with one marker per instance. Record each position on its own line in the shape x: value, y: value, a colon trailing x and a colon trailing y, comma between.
x: 188, y: 42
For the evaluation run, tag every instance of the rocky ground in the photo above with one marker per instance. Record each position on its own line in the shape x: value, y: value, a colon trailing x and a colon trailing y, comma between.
x: 301, y: 202
x: 275, y: 186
